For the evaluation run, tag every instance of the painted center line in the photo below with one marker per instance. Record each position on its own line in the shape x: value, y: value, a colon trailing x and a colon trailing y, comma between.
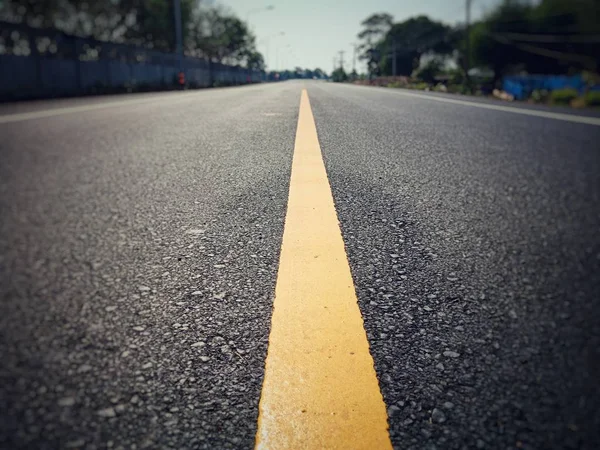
x: 320, y: 389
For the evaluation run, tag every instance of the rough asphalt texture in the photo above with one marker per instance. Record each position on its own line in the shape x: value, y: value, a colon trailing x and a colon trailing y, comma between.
x: 473, y: 240
x: 139, y: 248
x: 139, y: 256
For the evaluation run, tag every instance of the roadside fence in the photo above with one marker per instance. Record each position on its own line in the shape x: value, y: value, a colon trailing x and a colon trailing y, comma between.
x: 43, y: 63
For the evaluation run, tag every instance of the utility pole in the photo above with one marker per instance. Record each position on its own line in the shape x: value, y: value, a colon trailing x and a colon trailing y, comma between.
x: 394, y: 51
x: 468, y: 41
x: 178, y: 35
x: 179, y: 39
x: 370, y: 55
x: 354, y: 48
x: 342, y: 59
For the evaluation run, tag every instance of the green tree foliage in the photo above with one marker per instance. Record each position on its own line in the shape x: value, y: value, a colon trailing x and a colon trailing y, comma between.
x: 413, y: 38
x: 553, y: 36
x: 220, y: 36
x: 339, y: 75
x: 374, y: 29
x: 154, y: 22
x: 319, y: 73
x: 297, y: 73
x: 430, y: 70
x: 142, y: 22
x: 255, y: 60
x: 208, y: 31
x: 545, y: 36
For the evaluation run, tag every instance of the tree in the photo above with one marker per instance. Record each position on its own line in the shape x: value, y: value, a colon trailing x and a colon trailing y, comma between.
x: 255, y: 61
x: 429, y: 71
x: 154, y: 22
x: 319, y: 73
x: 219, y: 36
x: 141, y: 22
x: 208, y: 31
x: 374, y: 28
x: 412, y: 39
x: 298, y: 72
x: 339, y: 75
x: 488, y: 49
x: 550, y: 37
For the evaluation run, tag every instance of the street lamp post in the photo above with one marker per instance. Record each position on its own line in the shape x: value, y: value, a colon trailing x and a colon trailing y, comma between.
x: 256, y: 10
x: 266, y: 41
x: 284, y: 60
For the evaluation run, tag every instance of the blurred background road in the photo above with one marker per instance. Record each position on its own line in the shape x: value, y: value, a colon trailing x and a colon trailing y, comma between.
x: 139, y: 246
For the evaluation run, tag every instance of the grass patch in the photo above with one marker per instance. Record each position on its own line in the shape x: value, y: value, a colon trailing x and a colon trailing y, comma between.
x: 419, y: 86
x: 563, y: 96
x: 592, y: 98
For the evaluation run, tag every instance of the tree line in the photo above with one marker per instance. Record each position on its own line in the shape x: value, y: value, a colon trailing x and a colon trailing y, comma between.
x: 209, y: 31
x: 550, y: 36
x: 296, y: 73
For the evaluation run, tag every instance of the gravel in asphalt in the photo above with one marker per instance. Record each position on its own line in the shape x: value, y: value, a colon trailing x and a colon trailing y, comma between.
x: 139, y: 253
x: 139, y: 247
x: 473, y: 240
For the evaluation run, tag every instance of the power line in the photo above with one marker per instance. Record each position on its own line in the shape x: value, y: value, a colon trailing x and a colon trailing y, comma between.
x: 530, y: 20
x: 583, y: 59
x: 553, y: 38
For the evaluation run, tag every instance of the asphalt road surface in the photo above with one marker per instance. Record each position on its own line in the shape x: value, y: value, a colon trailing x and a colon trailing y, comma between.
x: 140, y: 239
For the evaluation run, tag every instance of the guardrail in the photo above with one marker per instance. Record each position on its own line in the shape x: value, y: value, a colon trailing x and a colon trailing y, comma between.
x: 42, y: 63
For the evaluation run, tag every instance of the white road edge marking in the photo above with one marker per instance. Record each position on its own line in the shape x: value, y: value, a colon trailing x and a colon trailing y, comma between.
x: 528, y: 112
x: 18, y: 117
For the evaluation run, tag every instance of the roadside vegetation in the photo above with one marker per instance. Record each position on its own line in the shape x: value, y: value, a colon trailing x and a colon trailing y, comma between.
x: 518, y: 38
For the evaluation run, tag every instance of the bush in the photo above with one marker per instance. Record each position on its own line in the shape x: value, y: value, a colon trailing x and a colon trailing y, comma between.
x: 462, y: 89
x: 592, y: 98
x: 419, y: 86
x: 429, y: 71
x: 563, y: 96
x: 539, y: 96
x: 456, y: 76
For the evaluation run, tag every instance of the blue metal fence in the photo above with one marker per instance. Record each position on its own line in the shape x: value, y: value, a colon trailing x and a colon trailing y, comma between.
x: 36, y: 63
x: 522, y: 86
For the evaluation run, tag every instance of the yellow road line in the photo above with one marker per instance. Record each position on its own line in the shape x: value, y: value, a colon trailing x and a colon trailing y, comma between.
x: 320, y: 389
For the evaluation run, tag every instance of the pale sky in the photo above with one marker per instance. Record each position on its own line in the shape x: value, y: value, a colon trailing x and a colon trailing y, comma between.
x: 316, y: 30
